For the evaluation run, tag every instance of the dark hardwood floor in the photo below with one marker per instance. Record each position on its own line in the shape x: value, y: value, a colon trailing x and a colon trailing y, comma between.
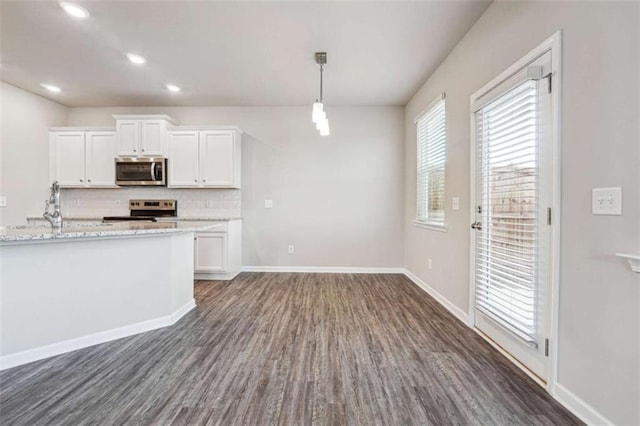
x: 287, y: 349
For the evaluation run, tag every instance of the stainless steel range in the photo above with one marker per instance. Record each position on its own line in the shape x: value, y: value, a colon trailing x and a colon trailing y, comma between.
x: 148, y: 210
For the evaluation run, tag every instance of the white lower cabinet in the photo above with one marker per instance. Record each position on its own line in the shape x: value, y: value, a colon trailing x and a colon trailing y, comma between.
x: 217, y: 253
x: 210, y: 254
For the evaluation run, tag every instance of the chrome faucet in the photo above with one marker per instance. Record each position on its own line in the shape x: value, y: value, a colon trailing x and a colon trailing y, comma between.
x: 54, y: 219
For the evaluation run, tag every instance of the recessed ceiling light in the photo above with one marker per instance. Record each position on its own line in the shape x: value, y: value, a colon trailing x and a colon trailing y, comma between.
x: 136, y: 59
x: 173, y: 88
x: 74, y: 10
x: 51, y: 88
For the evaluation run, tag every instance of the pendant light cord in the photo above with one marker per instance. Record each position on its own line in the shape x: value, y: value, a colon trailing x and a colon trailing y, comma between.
x: 321, y: 70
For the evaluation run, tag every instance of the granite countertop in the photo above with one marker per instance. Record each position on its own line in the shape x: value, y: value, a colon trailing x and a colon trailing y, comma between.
x: 170, y: 219
x: 42, y: 232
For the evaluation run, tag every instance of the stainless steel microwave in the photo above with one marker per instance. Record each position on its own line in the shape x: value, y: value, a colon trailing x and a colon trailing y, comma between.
x: 141, y: 171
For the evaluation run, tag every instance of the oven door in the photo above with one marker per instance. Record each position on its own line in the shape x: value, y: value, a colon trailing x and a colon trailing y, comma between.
x: 141, y: 171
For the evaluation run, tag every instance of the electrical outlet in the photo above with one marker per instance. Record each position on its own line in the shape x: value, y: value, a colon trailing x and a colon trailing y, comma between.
x: 291, y: 249
x: 209, y: 204
x: 268, y: 204
x: 3, y: 201
x: 606, y: 201
x: 429, y: 263
x: 455, y: 203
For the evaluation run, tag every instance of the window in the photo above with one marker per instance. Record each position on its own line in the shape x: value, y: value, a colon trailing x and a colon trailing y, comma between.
x: 431, y: 157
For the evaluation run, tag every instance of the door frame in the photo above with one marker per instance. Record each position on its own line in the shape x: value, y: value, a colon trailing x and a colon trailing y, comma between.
x: 554, y: 45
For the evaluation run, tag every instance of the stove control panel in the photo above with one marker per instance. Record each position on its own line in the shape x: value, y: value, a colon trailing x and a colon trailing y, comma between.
x: 153, y: 204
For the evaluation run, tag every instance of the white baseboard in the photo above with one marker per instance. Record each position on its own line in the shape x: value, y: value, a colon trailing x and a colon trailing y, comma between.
x: 577, y: 406
x: 222, y: 276
x: 457, y: 312
x: 324, y: 269
x: 182, y: 311
x: 42, y: 352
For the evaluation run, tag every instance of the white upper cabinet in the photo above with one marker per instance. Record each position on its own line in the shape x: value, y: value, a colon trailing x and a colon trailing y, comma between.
x: 184, y: 159
x: 204, y: 158
x: 100, y: 152
x: 83, y: 159
x: 153, y: 137
x: 218, y: 158
x: 128, y: 132
x: 142, y: 135
x: 68, y: 158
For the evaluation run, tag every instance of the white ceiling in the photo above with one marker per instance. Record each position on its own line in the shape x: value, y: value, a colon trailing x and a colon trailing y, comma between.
x: 230, y: 53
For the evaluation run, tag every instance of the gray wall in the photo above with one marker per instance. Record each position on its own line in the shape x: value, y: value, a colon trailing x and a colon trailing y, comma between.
x: 338, y: 200
x: 599, y: 296
x: 24, y: 150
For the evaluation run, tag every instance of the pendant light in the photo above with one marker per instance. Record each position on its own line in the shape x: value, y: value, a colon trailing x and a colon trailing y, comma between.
x: 318, y: 115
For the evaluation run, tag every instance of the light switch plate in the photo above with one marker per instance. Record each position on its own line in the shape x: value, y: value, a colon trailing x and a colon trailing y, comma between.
x: 3, y: 201
x: 268, y: 204
x: 606, y: 201
x: 455, y: 203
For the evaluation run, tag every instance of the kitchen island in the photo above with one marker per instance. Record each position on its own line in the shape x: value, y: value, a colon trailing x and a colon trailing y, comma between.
x: 63, y: 290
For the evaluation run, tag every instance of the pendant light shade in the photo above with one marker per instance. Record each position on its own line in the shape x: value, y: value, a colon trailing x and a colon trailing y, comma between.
x: 324, y: 128
x: 318, y: 115
x: 318, y: 112
x: 322, y: 117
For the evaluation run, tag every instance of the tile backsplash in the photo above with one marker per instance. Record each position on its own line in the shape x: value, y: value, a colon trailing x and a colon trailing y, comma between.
x: 115, y: 202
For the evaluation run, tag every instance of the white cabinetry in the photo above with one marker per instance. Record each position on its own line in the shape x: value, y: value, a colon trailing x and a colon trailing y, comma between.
x: 68, y: 165
x: 142, y: 135
x: 218, y: 252
x: 184, y: 159
x: 81, y: 158
x: 204, y: 158
x: 210, y: 252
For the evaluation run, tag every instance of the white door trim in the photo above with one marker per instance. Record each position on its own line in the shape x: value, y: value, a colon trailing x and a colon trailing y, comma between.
x: 554, y: 45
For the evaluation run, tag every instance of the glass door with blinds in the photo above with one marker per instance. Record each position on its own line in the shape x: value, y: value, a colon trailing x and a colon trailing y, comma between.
x: 511, y: 232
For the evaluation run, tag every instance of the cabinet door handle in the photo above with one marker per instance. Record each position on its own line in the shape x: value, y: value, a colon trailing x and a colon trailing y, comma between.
x: 143, y: 150
x: 195, y: 180
x: 89, y: 180
x: 204, y: 180
x: 135, y: 150
x: 81, y: 180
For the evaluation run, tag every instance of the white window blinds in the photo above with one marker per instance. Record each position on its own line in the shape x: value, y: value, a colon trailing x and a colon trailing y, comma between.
x: 431, y: 156
x: 506, y: 245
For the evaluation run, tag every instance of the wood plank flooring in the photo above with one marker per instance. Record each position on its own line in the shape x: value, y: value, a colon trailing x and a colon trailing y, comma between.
x: 287, y: 349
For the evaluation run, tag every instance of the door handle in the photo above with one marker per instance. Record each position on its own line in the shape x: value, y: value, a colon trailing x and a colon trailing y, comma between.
x: 477, y: 226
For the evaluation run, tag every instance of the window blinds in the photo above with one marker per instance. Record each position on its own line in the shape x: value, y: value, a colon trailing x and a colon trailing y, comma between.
x: 506, y: 246
x: 431, y: 155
